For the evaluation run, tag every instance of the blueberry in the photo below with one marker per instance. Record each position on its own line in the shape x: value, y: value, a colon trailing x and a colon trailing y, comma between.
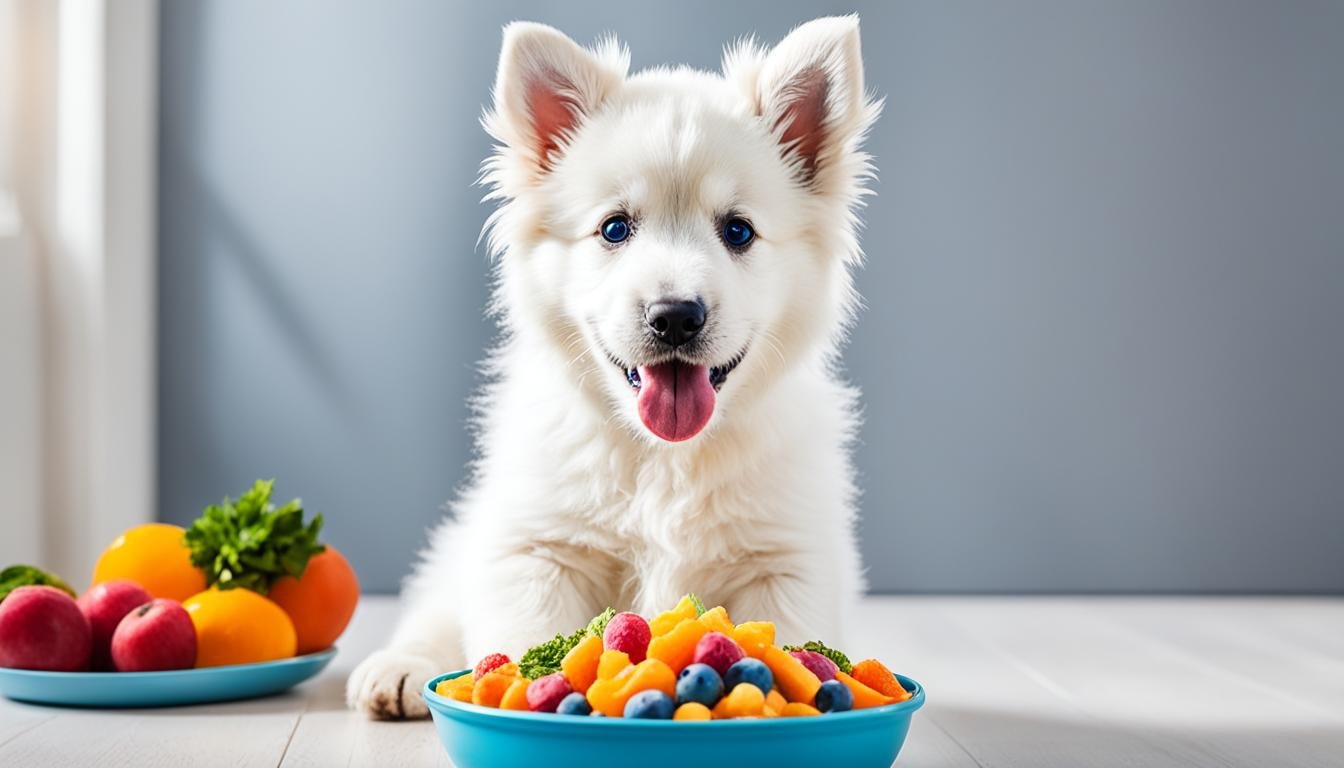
x: 752, y: 671
x: 833, y: 696
x: 652, y: 704
x: 699, y: 683
x: 573, y: 704
x: 597, y: 713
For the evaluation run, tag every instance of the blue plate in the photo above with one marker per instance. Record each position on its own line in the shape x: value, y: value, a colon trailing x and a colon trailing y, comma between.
x: 161, y: 689
x: 481, y: 737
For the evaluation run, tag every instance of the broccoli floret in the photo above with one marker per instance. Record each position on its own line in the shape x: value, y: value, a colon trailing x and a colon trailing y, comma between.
x: 544, y: 659
x: 599, y: 623
x: 840, y: 659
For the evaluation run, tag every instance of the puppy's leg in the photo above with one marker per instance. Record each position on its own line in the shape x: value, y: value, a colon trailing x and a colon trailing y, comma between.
x: 526, y: 596
x: 802, y: 609
x: 467, y: 601
x: 427, y: 642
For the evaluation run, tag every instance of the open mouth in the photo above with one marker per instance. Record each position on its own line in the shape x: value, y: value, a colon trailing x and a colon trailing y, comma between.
x: 676, y: 397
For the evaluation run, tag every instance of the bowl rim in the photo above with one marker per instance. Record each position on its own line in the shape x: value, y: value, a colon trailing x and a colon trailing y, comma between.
x: 44, y: 674
x: 467, y: 710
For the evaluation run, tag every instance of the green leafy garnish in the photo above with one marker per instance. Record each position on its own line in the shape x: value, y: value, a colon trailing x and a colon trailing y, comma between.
x: 16, y: 576
x: 699, y: 606
x: 251, y: 543
x: 840, y: 659
x: 544, y: 659
x: 599, y: 623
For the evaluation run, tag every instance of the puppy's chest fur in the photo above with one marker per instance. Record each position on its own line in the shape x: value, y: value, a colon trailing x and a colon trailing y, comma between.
x: 645, y: 528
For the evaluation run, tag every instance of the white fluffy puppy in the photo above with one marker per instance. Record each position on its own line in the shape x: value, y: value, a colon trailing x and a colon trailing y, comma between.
x: 664, y: 415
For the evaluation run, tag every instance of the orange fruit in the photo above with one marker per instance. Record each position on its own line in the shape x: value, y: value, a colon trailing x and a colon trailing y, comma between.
x: 155, y: 557
x: 321, y: 602
x: 238, y: 626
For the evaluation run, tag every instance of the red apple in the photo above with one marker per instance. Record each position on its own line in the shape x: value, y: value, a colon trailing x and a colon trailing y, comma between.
x: 106, y: 605
x: 158, y: 635
x: 43, y: 628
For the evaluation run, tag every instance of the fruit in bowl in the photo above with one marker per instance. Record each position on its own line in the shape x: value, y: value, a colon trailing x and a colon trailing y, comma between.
x: 105, y: 605
x: 583, y: 699
x: 42, y: 628
x: 155, y: 636
x: 153, y: 556
x: 247, y: 582
x: 679, y: 666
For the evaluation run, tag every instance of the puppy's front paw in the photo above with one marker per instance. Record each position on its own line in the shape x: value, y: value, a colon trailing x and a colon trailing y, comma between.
x: 387, y: 685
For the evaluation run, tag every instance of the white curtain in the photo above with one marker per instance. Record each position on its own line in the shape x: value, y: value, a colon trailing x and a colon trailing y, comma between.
x: 77, y: 115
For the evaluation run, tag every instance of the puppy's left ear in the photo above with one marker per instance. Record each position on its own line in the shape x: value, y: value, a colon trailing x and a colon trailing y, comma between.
x: 810, y: 91
x: 546, y: 85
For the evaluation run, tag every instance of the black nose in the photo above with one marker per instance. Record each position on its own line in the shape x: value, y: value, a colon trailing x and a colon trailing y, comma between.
x: 675, y: 322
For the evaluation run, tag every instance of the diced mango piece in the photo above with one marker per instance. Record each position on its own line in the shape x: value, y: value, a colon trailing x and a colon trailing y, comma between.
x: 668, y: 620
x: 794, y: 680
x: 515, y: 696
x: 489, y: 690
x: 775, y: 700
x: 717, y: 620
x: 580, y: 664
x: 677, y: 647
x: 609, y: 695
x: 611, y: 663
x: 754, y: 637
x: 875, y: 675
x: 798, y: 709
x: 864, y: 696
x: 745, y: 700
x: 691, y: 710
x: 451, y: 688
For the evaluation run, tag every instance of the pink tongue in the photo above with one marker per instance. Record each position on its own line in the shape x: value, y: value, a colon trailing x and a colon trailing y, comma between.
x: 675, y: 399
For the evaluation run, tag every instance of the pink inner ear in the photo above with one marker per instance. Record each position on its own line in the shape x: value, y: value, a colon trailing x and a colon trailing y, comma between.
x: 553, y: 113
x: 805, y: 116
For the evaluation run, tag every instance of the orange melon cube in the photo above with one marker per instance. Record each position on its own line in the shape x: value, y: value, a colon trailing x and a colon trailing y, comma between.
x: 691, y: 710
x: 668, y: 620
x: 717, y: 620
x: 490, y: 689
x: 580, y: 664
x: 515, y: 696
x: 611, y: 663
x: 798, y: 709
x: 794, y: 680
x: 754, y: 637
x: 453, y: 689
x: 609, y: 695
x: 745, y: 700
x: 677, y: 647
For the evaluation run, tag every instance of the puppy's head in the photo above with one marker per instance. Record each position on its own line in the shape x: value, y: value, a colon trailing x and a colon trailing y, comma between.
x: 681, y: 239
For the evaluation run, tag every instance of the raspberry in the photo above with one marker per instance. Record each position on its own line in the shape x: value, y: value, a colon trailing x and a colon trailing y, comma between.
x: 488, y: 663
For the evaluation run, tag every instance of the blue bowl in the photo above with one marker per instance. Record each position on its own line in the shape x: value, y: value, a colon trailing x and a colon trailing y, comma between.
x: 161, y: 689
x: 482, y: 737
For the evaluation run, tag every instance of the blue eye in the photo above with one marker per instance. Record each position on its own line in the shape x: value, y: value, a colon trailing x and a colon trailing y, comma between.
x: 616, y: 229
x: 737, y: 233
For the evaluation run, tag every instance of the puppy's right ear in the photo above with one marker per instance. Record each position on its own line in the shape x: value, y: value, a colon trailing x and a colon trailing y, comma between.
x: 546, y: 85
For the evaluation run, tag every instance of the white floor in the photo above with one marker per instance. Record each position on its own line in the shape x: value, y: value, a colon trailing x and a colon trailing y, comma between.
x: 1011, y: 682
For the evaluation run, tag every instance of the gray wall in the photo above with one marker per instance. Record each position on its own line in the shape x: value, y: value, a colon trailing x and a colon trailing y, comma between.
x: 1102, y: 348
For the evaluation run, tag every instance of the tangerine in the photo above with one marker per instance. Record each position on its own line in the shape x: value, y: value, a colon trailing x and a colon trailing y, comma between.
x: 321, y: 602
x: 238, y: 626
x: 155, y: 557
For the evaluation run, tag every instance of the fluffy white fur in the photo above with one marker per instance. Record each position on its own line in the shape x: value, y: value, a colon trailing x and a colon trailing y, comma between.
x: 573, y: 504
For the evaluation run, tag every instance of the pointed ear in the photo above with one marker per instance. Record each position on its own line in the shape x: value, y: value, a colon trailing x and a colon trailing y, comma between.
x: 546, y: 85
x: 810, y: 91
